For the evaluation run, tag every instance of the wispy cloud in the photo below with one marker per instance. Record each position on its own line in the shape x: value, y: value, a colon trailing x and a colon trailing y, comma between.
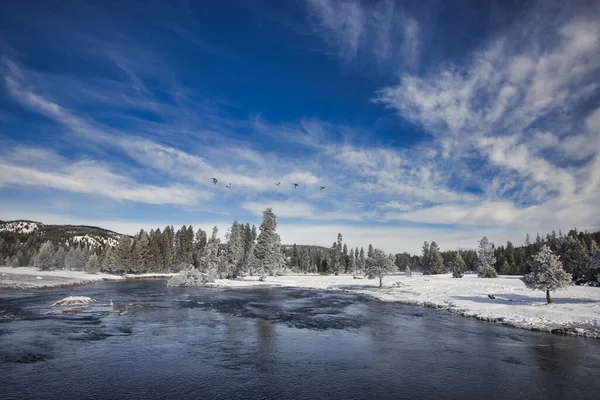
x: 363, y: 31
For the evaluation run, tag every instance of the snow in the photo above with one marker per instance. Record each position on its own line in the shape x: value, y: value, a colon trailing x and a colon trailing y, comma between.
x: 574, y: 311
x: 74, y: 301
x: 27, y: 278
x: 19, y: 226
x: 94, y: 241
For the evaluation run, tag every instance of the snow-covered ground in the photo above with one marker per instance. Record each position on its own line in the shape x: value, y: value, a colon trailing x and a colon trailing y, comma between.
x: 32, y: 278
x: 574, y: 311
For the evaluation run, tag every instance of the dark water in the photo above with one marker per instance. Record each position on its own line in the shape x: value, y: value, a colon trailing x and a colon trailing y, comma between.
x: 175, y: 343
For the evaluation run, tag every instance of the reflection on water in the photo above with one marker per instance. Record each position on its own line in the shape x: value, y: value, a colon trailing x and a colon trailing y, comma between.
x: 274, y: 343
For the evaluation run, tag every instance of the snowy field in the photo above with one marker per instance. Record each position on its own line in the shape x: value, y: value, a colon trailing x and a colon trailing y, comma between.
x: 574, y: 311
x: 32, y: 278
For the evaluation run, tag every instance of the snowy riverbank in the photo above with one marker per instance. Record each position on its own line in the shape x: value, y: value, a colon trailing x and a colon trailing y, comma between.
x: 32, y: 278
x: 574, y: 311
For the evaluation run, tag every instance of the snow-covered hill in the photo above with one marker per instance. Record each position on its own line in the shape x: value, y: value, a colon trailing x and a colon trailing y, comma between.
x: 66, y: 235
x: 21, y: 226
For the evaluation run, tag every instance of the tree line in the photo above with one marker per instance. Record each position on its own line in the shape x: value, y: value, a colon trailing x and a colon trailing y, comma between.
x: 577, y: 252
x: 170, y: 250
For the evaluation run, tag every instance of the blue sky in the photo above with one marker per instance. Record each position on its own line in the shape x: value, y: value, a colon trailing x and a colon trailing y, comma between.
x: 425, y: 120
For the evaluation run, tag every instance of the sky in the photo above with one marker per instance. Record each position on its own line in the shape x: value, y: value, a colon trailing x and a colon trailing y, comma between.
x: 428, y: 120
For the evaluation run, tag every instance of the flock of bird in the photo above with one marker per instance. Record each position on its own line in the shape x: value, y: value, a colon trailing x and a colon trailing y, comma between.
x: 215, y: 181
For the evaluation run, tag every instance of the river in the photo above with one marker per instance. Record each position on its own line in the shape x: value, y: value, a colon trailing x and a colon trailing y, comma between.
x: 170, y: 343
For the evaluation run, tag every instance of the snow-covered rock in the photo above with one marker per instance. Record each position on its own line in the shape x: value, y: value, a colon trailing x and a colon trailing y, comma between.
x: 74, y: 301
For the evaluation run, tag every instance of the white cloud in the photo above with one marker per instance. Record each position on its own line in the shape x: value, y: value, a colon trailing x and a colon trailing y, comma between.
x: 377, y: 30
x: 94, y: 178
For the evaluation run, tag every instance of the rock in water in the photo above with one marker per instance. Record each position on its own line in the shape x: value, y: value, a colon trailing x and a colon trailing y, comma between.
x: 190, y: 277
x: 74, y: 301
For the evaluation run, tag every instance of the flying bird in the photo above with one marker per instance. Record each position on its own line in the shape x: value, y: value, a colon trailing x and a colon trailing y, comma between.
x: 277, y: 183
x: 322, y: 187
x: 295, y: 185
x: 228, y: 186
x: 215, y: 180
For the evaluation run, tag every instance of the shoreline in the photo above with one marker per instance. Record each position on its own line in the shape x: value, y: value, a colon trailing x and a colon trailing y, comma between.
x: 575, y: 312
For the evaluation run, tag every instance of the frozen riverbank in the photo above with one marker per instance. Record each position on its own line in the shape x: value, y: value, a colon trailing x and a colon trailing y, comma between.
x: 32, y: 278
x: 574, y: 311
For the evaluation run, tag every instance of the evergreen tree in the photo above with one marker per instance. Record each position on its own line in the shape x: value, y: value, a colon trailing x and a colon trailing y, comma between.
x: 595, y: 260
x: 268, y: 246
x: 425, y: 258
x: 140, y: 253
x: 457, y: 266
x: 295, y: 259
x: 362, y: 262
x: 487, y: 259
x: 345, y: 258
x: 575, y: 258
x: 236, y: 250
x: 107, y: 263
x: 249, y: 242
x: 44, y: 259
x: 122, y: 254
x: 210, y: 261
x: 435, y: 262
x: 379, y: 265
x: 546, y: 273
x: 92, y: 266
x: 351, y: 263
x: 370, y: 251
x: 336, y: 255
x: 305, y: 261
x: 75, y: 261
x: 58, y: 261
x: 200, y: 239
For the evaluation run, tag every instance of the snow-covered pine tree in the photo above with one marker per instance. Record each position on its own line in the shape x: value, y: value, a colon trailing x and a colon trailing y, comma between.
x: 424, y: 261
x: 75, y: 260
x: 547, y: 273
x: 304, y: 261
x: 345, y: 259
x: 209, y: 262
x: 362, y: 261
x: 140, y: 253
x: 435, y: 261
x: 370, y: 251
x: 200, y: 239
x: 235, y: 250
x: 249, y: 261
x: 58, y: 261
x: 122, y: 254
x: 407, y: 271
x: 486, y: 258
x: 294, y: 262
x: 336, y: 256
x: 458, y: 265
x: 44, y: 258
x: 268, y: 246
x: 379, y: 264
x: 351, y: 263
x: 575, y: 258
x: 595, y: 260
x: 92, y: 266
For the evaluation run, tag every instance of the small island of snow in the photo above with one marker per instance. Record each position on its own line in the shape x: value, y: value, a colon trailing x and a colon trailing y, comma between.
x: 74, y: 301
